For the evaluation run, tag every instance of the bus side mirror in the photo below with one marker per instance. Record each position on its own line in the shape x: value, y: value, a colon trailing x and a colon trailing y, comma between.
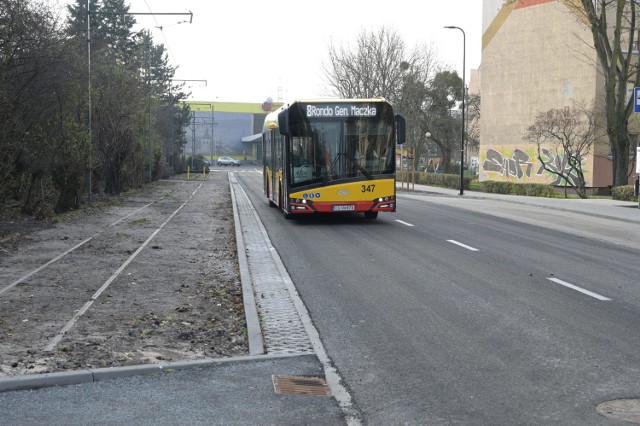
x: 400, y: 129
x: 283, y: 122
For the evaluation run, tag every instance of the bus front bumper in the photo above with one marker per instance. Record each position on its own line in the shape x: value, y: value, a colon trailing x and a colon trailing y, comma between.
x: 383, y: 204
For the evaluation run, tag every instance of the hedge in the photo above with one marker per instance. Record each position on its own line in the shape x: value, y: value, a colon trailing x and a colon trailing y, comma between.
x: 623, y: 193
x: 531, y: 189
x: 443, y: 180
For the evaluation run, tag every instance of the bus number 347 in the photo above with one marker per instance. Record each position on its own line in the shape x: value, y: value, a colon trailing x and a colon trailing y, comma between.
x: 368, y: 188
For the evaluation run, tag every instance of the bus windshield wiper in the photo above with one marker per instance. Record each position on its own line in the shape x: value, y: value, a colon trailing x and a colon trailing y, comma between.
x: 330, y: 170
x: 350, y: 160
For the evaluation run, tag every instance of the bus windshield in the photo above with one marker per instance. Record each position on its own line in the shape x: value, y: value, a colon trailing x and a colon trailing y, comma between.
x: 331, y: 148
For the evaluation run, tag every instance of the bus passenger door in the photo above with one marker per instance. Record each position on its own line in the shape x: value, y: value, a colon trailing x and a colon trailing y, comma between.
x: 278, y: 168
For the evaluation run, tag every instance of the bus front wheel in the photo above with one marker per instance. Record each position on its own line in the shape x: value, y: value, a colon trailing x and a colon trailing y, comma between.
x: 370, y: 215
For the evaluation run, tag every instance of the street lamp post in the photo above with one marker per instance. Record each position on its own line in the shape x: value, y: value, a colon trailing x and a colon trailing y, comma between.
x: 427, y: 136
x: 463, y: 96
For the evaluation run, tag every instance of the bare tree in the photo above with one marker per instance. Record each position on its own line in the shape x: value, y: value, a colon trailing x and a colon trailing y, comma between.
x: 473, y: 122
x: 563, y: 138
x: 616, y: 45
x: 381, y: 65
x: 374, y: 67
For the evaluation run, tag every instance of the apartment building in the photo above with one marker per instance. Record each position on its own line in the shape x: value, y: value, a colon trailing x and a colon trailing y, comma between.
x: 537, y: 55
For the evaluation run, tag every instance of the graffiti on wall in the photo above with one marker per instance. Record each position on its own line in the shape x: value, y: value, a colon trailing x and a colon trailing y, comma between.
x: 518, y: 165
x: 525, y: 166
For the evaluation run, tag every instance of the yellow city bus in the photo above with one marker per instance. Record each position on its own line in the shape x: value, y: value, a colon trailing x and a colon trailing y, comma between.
x: 332, y: 156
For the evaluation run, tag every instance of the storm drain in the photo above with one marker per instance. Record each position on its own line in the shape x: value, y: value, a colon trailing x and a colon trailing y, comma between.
x: 627, y: 410
x: 298, y: 385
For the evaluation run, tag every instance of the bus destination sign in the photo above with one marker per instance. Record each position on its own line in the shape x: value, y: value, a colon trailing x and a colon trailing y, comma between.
x: 341, y: 110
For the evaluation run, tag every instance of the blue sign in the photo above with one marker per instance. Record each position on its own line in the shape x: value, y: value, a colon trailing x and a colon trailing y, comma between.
x: 636, y: 99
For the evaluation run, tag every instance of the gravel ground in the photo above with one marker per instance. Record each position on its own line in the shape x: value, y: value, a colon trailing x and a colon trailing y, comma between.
x: 153, y: 278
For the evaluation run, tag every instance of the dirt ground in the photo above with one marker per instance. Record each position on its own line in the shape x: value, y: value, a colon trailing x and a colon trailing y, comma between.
x: 149, y: 276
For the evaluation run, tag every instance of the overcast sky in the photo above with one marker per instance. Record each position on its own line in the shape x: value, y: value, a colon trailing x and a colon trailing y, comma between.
x: 250, y: 50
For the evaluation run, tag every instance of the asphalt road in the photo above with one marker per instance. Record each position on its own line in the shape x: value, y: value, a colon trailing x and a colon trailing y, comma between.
x: 445, y: 315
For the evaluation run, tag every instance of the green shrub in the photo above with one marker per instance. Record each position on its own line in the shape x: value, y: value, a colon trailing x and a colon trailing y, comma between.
x: 534, y: 190
x: 623, y: 193
x: 519, y: 189
x: 498, y: 187
x: 505, y: 187
x: 443, y: 180
x: 490, y: 186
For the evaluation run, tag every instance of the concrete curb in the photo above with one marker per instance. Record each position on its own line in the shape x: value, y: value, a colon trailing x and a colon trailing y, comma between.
x: 254, y: 331
x: 76, y: 377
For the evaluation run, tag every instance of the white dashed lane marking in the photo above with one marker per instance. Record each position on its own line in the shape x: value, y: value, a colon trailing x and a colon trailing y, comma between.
x: 580, y: 289
x: 463, y: 245
x: 404, y: 223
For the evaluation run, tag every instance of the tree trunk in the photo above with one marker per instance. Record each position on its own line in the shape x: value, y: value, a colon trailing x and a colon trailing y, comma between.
x: 446, y: 160
x: 621, y: 160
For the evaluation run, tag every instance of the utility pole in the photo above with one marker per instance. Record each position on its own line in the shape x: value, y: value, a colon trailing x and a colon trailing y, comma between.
x: 90, y: 189
x: 213, y: 115
x: 193, y: 139
x: 148, y: 142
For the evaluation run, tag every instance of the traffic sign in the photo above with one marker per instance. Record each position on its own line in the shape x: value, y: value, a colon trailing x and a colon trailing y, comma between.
x: 636, y: 99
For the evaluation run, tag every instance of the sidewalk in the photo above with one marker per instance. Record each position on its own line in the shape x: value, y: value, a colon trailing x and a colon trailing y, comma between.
x: 605, y: 208
x: 232, y: 392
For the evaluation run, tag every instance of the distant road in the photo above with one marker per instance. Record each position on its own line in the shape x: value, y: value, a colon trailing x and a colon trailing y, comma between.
x: 443, y: 315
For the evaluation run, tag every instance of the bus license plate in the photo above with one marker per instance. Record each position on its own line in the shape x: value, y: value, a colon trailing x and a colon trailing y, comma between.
x: 344, y: 208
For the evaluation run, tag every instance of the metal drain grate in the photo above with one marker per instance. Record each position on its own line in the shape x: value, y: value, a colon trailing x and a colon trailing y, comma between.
x: 296, y: 385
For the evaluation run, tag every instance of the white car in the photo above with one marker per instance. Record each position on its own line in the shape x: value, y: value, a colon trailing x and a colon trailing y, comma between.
x: 228, y: 161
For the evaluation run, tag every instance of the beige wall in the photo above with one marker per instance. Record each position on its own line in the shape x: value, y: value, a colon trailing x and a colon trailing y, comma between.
x: 534, y: 58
